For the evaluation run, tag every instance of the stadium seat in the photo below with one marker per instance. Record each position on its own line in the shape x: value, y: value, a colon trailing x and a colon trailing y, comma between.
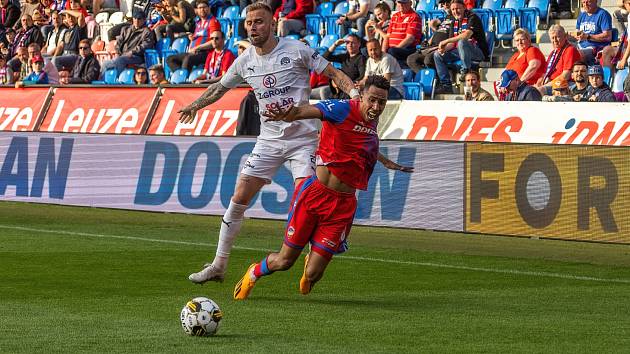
x: 98, y: 46
x: 492, y: 5
x: 407, y: 75
x: 231, y: 44
x: 412, y: 91
x: 607, y: 76
x: 111, y: 77
x: 427, y: 78
x: 179, y: 77
x: 327, y: 42
x: 313, y: 40
x: 180, y: 45
x: 325, y: 9
x: 126, y: 77
x: 195, y: 73
x: 514, y: 4
x: 162, y: 44
x: 620, y: 77
x: 528, y: 19
x: 231, y: 12
x: 331, y: 24
x: 342, y: 8
x: 293, y: 36
x: 165, y: 54
x: 543, y: 7
x: 151, y: 57
x: 505, y: 25
x: 101, y: 17
x: 225, y: 27
x: 426, y: 5
x: 116, y: 18
x: 485, y: 16
x: 314, y: 23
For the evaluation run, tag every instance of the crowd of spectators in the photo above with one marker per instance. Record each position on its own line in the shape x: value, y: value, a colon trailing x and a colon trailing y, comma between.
x: 54, y: 41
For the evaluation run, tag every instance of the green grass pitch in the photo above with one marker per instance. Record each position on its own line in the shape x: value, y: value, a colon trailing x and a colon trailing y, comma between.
x: 75, y: 280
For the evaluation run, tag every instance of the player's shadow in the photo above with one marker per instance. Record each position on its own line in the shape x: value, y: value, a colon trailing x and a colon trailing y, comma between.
x: 344, y: 303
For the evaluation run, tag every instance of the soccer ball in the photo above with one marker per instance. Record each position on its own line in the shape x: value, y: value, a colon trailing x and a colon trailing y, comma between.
x: 201, y: 317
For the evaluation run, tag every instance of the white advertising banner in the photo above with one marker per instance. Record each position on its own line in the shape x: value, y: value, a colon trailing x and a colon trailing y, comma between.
x: 198, y: 174
x: 520, y: 122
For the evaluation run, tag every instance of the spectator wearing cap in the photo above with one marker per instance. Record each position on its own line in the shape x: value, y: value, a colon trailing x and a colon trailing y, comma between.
x: 594, y: 31
x: 357, y: 16
x: 37, y: 76
x: 404, y: 33
x: 477, y: 93
x: 291, y: 16
x: 9, y: 15
x: 28, y: 33
x: 579, y: 75
x: 131, y: 43
x: 377, y: 27
x: 67, y: 50
x: 383, y: 64
x: 352, y: 64
x: 200, y: 43
x: 560, y: 61
x: 528, y: 61
x: 156, y: 75
x: 516, y: 89
x: 559, y: 92
x: 87, y: 68
x: 218, y: 61
x: 468, y: 44
x: 51, y: 71
x: 598, y: 91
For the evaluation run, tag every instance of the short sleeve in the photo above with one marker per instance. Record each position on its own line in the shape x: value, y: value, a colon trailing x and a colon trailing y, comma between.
x: 335, y: 111
x: 312, y: 60
x: 387, y: 65
x: 605, y: 21
x: 233, y: 77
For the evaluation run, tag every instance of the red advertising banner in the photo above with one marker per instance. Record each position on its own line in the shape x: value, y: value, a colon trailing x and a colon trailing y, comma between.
x: 121, y: 110
x: 19, y: 108
x: 218, y: 119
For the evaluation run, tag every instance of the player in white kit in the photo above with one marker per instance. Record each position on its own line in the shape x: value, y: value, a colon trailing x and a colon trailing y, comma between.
x: 278, y: 71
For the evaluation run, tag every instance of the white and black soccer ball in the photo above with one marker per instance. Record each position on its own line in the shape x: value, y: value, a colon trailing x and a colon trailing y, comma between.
x: 201, y: 317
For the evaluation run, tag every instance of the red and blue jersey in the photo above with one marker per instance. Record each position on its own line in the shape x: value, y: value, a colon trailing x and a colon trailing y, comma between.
x: 348, y: 144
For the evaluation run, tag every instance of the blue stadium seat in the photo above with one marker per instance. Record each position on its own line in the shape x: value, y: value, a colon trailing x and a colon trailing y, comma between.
x: 342, y: 8
x: 314, y: 23
x: 485, y: 15
x: 620, y: 77
x: 325, y: 9
x: 151, y: 57
x: 407, y: 75
x: 179, y: 77
x: 195, y: 73
x: 162, y: 44
x: 492, y: 5
x: 328, y: 41
x: 514, y: 4
x: 426, y: 5
x: 180, y: 45
x: 607, y: 76
x: 293, y: 36
x: 225, y: 26
x: 231, y: 44
x: 528, y: 19
x: 331, y: 24
x: 165, y: 54
x: 232, y: 12
x: 336, y: 65
x: 111, y: 77
x: 505, y: 24
x: 427, y: 78
x: 313, y: 40
x: 543, y: 7
x: 412, y: 91
x: 126, y: 77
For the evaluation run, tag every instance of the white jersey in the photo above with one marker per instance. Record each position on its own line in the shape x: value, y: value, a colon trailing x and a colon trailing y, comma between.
x: 279, y: 79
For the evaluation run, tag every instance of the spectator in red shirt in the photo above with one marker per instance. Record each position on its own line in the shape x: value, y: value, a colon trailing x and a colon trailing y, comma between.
x: 200, y: 43
x: 560, y: 60
x: 291, y: 16
x: 528, y: 61
x: 404, y: 33
x: 218, y: 61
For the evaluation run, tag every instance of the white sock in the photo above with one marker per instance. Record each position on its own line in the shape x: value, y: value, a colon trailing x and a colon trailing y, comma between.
x: 230, y: 227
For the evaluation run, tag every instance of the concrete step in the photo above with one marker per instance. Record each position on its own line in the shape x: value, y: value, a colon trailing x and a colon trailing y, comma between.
x: 546, y: 48
x: 491, y: 74
x: 608, y: 3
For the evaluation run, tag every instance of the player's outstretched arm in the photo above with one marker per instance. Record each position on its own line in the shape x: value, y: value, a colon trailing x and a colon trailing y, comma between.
x: 214, y: 92
x: 341, y: 80
x: 392, y: 165
x: 292, y: 113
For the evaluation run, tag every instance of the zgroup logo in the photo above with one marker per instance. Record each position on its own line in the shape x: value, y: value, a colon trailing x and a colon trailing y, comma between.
x: 285, y: 61
x: 269, y: 81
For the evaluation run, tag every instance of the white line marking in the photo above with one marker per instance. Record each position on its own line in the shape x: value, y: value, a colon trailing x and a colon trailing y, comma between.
x: 356, y: 258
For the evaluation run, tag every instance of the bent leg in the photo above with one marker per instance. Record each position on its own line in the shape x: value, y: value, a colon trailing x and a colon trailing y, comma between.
x: 314, y: 266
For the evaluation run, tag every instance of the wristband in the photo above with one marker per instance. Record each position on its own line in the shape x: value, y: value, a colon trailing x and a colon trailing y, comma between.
x: 354, y: 92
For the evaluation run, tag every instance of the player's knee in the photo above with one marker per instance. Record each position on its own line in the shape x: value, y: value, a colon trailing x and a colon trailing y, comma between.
x: 313, y: 274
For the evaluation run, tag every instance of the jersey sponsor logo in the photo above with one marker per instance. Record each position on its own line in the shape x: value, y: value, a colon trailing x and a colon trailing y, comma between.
x: 273, y: 92
x: 285, y: 61
x: 315, y: 55
x: 269, y: 81
x: 251, y: 69
x: 365, y: 130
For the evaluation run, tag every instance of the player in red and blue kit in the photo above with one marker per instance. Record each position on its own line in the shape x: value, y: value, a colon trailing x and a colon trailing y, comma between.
x: 323, y: 205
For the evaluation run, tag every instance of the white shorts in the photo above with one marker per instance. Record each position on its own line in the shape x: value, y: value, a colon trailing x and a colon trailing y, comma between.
x: 268, y: 156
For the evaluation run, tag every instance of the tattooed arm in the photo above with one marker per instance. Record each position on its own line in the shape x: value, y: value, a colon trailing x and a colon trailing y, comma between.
x: 341, y: 80
x: 214, y: 92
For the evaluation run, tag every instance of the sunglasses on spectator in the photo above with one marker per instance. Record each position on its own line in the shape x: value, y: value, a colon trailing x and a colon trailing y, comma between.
x: 141, y: 72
